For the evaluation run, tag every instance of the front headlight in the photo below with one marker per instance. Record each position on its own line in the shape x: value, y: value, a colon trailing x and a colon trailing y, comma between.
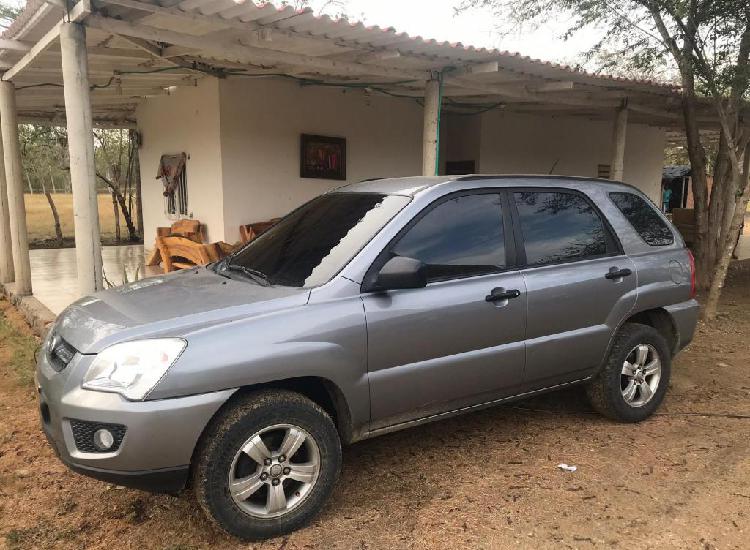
x: 132, y: 369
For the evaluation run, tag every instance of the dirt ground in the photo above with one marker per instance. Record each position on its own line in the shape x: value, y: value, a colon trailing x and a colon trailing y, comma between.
x: 485, y: 480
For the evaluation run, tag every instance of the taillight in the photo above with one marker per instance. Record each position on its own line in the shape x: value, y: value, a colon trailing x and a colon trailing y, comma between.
x: 692, y: 274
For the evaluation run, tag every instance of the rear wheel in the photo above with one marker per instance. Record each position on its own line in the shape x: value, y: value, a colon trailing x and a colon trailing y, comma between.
x: 634, y: 380
x: 267, y: 464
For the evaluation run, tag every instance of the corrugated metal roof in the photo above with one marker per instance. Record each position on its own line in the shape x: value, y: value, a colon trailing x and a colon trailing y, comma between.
x: 282, y: 40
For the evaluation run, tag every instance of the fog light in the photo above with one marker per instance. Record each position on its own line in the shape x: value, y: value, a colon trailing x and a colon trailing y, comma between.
x: 103, y: 439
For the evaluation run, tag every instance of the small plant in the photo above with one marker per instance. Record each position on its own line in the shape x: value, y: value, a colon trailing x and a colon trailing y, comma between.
x: 126, y: 278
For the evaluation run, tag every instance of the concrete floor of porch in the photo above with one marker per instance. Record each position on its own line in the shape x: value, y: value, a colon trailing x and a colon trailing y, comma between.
x: 53, y: 272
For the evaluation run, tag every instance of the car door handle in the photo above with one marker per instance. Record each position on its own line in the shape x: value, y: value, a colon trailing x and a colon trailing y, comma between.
x: 615, y: 273
x: 499, y: 294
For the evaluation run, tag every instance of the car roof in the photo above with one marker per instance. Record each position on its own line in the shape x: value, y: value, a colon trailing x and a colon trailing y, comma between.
x: 411, y: 186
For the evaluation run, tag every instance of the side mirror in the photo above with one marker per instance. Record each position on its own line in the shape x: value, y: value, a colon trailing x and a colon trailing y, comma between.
x: 400, y: 272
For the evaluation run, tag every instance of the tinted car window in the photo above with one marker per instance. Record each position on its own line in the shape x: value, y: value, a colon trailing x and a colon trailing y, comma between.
x: 460, y: 237
x: 312, y: 244
x: 644, y: 219
x: 559, y: 226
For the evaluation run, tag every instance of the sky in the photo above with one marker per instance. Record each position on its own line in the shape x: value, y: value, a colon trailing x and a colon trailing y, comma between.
x: 477, y: 27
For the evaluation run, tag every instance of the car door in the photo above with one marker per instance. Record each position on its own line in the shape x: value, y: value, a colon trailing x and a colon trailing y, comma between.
x: 459, y: 340
x: 579, y: 283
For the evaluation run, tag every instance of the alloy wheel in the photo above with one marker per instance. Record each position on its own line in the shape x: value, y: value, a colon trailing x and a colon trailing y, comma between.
x: 641, y: 373
x: 274, y: 471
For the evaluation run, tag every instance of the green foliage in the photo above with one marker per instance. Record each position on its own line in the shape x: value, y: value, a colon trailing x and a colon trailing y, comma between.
x: 44, y: 153
x: 641, y: 37
x: 8, y: 13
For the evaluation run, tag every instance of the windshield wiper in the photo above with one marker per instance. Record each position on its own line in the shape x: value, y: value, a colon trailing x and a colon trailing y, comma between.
x: 219, y: 268
x: 253, y: 274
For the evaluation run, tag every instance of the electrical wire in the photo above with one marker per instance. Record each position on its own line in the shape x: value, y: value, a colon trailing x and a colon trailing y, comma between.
x: 473, y: 108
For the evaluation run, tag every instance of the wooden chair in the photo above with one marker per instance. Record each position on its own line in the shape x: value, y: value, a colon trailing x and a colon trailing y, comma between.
x: 189, y: 229
x: 181, y: 253
x: 252, y: 231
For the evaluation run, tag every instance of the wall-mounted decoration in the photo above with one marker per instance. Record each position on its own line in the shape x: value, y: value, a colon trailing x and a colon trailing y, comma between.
x: 323, y: 157
x: 173, y: 175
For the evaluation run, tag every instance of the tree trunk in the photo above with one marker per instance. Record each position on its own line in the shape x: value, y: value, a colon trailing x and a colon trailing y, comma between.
x: 697, y: 155
x: 132, y: 233
x: 720, y: 274
x: 117, y: 216
x: 55, y: 217
x: 137, y: 182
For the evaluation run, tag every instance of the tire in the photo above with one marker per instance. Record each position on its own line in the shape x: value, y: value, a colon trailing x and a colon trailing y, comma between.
x: 229, y: 455
x: 621, y: 390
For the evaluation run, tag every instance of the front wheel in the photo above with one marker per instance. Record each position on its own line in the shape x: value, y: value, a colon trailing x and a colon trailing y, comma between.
x: 633, y: 382
x: 267, y: 464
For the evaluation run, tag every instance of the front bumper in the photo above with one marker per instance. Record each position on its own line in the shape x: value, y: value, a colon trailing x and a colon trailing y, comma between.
x: 160, y: 435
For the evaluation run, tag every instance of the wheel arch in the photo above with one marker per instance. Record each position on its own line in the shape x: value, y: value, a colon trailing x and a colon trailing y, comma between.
x: 660, y: 320
x: 321, y: 391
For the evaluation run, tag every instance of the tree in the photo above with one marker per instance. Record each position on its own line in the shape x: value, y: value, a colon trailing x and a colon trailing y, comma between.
x: 115, y: 156
x: 706, y: 45
x: 337, y: 8
x: 8, y: 14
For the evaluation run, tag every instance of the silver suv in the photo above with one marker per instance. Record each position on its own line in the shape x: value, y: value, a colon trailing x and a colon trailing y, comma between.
x: 375, y: 307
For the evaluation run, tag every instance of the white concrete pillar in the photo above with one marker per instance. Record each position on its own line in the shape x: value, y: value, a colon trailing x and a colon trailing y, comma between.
x: 14, y: 182
x: 431, y: 133
x: 7, y: 273
x: 81, y: 147
x: 619, y: 134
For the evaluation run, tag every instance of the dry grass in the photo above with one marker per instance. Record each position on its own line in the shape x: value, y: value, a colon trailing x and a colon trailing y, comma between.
x: 42, y: 226
x: 487, y: 480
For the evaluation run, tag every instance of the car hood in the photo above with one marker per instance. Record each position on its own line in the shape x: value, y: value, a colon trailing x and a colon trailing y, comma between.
x: 169, y: 305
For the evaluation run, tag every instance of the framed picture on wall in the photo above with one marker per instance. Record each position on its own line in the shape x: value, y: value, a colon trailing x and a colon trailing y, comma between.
x: 323, y: 157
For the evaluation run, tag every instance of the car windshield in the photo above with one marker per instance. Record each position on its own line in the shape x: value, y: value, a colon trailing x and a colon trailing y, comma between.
x: 313, y: 243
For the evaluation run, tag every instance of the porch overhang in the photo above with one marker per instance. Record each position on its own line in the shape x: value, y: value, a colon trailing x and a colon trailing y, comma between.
x: 140, y: 48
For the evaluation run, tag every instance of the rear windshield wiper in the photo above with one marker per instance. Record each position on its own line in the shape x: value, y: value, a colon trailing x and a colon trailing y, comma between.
x: 253, y: 274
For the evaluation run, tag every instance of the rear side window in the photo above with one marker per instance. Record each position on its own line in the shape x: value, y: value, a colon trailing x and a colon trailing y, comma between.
x: 559, y: 227
x: 460, y: 237
x: 644, y: 219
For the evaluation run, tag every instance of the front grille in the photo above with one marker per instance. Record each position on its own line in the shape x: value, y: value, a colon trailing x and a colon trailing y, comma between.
x: 60, y: 353
x: 83, y: 434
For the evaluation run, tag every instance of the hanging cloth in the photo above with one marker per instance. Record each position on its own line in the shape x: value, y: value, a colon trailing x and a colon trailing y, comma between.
x: 171, y: 168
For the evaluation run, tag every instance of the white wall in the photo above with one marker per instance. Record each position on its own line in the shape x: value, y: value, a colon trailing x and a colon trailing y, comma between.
x: 186, y: 121
x: 535, y: 144
x: 243, y: 141
x: 261, y: 123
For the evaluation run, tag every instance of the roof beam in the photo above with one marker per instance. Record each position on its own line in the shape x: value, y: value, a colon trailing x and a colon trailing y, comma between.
x: 526, y: 94
x: 474, y: 68
x: 60, y: 121
x: 16, y: 45
x: 43, y: 43
x: 234, y: 50
x: 553, y: 86
x: 79, y: 11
